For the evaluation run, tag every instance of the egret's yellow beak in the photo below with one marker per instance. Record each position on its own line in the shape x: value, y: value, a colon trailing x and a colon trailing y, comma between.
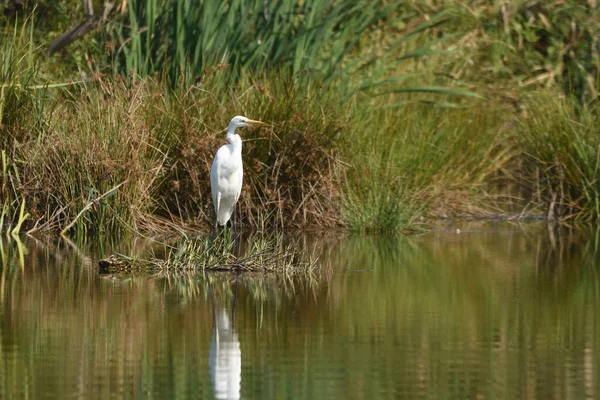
x: 255, y: 122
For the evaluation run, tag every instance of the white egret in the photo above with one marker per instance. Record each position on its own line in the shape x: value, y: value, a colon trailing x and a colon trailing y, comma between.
x: 226, y: 173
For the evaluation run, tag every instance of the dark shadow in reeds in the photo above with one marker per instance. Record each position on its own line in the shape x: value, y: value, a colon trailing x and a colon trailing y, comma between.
x: 559, y: 157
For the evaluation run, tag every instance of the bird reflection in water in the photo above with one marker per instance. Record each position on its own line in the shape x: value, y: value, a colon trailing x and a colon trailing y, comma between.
x: 225, y: 356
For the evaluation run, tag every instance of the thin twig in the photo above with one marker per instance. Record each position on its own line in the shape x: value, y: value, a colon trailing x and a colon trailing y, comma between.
x: 89, y: 205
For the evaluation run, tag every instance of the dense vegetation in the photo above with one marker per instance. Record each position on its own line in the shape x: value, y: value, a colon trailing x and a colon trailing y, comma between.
x: 374, y: 118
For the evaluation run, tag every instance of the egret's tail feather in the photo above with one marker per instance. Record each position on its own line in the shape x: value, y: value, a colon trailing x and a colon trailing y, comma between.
x: 223, y: 217
x: 224, y: 211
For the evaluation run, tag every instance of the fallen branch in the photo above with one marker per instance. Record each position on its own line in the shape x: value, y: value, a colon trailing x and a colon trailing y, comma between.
x: 77, y: 32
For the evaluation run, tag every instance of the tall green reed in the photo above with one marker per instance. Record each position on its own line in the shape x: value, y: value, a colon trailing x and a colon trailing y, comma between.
x: 188, y: 36
x: 18, y: 67
x: 357, y: 45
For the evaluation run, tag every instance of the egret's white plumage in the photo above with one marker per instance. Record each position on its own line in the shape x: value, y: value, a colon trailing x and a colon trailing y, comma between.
x: 226, y: 173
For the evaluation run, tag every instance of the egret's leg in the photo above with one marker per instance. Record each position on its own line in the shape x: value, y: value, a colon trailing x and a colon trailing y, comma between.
x: 234, y: 219
x: 214, y: 230
x: 216, y: 227
x: 235, y: 236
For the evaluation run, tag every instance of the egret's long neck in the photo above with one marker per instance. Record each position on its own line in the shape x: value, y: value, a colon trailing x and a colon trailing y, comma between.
x: 234, y: 139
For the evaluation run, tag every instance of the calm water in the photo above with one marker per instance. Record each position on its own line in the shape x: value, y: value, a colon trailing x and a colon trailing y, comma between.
x: 495, y: 311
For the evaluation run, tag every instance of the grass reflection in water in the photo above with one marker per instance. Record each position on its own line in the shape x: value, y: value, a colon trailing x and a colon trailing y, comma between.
x: 497, y: 311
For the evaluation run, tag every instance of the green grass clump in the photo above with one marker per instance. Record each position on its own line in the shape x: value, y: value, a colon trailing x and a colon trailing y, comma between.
x: 377, y: 199
x: 260, y: 253
x: 222, y: 252
x: 423, y: 160
x: 560, y: 157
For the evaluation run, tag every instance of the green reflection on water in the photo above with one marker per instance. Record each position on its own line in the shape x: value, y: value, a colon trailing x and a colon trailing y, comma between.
x: 495, y: 311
